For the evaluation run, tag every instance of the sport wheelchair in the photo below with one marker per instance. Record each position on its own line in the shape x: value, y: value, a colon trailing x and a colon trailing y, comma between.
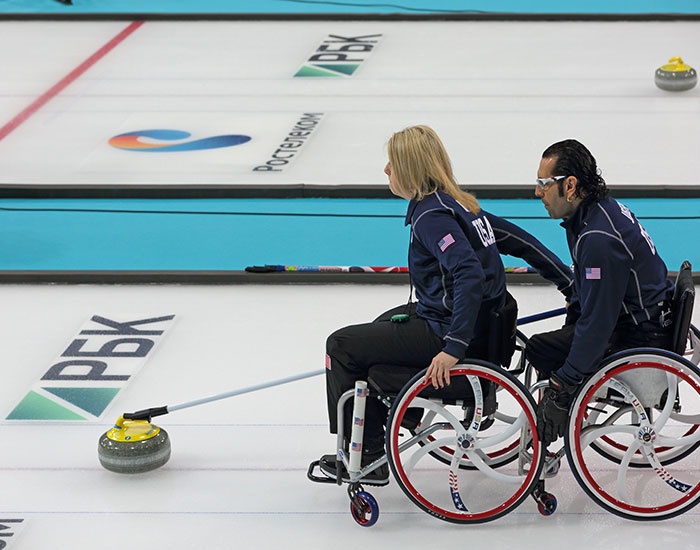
x: 641, y: 411
x: 470, y: 453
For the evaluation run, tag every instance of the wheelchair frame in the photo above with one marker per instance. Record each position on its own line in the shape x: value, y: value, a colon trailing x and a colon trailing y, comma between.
x: 519, y: 431
x: 651, y: 455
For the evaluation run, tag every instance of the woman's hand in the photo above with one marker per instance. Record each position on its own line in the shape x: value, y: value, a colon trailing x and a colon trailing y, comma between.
x: 439, y: 370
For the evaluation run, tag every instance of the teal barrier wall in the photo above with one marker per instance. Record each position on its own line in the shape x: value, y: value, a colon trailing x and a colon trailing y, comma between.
x: 232, y: 234
x: 351, y: 6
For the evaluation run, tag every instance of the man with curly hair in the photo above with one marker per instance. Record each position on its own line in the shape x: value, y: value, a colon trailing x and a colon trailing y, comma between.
x: 622, y: 292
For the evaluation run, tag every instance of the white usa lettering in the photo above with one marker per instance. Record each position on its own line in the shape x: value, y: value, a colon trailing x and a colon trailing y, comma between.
x: 626, y: 212
x: 485, y: 231
x: 647, y: 238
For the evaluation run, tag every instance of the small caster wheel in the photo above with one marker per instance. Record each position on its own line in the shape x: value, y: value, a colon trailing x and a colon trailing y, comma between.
x: 364, y: 509
x: 546, y: 504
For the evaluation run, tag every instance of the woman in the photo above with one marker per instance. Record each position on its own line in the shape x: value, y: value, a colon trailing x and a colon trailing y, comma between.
x: 458, y: 277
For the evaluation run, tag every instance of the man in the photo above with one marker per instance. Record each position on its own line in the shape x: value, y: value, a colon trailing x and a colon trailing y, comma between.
x: 622, y: 291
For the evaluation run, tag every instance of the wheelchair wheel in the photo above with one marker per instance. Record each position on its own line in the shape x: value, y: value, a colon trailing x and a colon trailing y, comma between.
x: 364, y: 509
x: 509, y: 451
x: 614, y: 450
x: 641, y: 410
x: 442, y: 488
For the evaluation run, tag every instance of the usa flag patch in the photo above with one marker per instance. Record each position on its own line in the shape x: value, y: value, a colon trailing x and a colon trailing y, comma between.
x: 593, y: 273
x: 446, y: 241
x: 328, y: 362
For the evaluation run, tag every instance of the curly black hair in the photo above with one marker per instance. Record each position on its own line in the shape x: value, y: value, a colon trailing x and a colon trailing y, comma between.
x: 573, y: 159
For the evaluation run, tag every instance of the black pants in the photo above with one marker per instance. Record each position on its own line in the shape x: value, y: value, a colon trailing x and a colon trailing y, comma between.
x: 548, y: 351
x: 351, y: 352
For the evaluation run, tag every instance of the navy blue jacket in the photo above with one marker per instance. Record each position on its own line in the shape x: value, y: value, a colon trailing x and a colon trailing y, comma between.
x: 619, y: 278
x: 456, y: 268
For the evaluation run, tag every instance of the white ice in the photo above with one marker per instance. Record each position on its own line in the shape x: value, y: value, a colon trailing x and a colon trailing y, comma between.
x: 237, y: 475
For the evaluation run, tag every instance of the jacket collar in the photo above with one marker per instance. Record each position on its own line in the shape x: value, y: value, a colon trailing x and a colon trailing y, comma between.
x: 412, y: 205
x: 436, y: 198
x: 577, y: 220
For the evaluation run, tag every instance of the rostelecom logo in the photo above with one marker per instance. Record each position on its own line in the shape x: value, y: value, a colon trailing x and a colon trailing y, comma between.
x: 151, y: 141
x: 339, y: 56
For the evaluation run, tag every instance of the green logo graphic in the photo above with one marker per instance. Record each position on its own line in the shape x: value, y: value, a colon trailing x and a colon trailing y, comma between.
x: 338, y: 56
x: 71, y: 402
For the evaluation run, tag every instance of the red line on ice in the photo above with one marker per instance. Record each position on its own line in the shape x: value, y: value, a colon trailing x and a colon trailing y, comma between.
x: 68, y: 79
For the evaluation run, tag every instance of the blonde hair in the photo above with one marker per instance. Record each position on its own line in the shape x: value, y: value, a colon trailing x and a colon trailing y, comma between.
x: 421, y: 166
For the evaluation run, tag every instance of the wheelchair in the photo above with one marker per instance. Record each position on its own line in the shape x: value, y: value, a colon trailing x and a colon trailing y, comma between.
x: 641, y: 412
x: 470, y: 453
x: 467, y: 453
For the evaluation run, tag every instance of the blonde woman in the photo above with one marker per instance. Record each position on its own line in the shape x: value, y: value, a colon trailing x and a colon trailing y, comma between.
x: 458, y: 277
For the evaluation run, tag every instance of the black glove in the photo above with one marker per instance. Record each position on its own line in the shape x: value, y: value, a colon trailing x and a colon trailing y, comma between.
x: 573, y: 311
x: 553, y: 410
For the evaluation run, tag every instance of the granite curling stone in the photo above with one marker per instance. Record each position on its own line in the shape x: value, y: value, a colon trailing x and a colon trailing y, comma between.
x: 676, y: 76
x: 133, y: 447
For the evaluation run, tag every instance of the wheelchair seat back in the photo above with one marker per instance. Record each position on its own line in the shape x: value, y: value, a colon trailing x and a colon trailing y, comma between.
x: 682, y: 307
x: 649, y: 385
x: 503, y: 326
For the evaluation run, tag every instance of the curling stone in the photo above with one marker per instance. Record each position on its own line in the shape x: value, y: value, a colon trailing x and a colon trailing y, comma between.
x: 133, y: 447
x: 676, y: 76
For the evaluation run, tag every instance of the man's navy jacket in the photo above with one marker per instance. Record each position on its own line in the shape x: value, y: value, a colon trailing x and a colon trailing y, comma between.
x: 619, y: 277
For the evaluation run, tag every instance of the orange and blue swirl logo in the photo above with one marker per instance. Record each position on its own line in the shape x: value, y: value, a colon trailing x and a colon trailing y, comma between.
x: 131, y: 141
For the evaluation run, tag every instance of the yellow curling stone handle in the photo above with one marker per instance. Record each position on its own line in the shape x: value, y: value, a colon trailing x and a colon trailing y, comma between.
x: 132, y: 430
x: 677, y: 67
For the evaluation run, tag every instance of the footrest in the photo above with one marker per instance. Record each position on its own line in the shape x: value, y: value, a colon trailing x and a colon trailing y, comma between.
x: 318, y: 479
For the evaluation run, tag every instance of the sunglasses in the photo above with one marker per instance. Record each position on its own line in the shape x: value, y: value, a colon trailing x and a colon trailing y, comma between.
x: 543, y: 183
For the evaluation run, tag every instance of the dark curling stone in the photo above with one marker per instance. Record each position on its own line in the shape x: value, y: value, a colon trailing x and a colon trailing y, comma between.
x: 676, y: 76
x: 133, y: 447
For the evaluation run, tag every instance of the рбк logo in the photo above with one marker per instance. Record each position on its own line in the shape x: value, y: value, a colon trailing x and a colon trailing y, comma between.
x: 8, y: 528
x: 90, y: 372
x: 339, y: 55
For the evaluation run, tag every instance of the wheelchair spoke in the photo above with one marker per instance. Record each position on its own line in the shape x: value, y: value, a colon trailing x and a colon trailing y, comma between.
x: 475, y: 458
x: 498, y: 415
x: 510, y: 431
x: 425, y: 449
x: 686, y: 418
x: 668, y: 406
x: 616, y: 415
x: 682, y: 441
x: 478, y: 405
x: 622, y: 472
x: 590, y: 433
x: 439, y: 410
x: 662, y: 472
x: 454, y: 483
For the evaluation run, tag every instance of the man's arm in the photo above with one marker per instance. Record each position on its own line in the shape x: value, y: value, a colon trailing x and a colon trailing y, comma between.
x: 514, y: 241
